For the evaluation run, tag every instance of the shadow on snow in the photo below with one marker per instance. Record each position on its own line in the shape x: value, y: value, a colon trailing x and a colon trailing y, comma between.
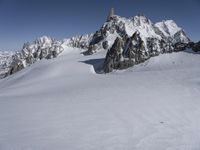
x: 96, y: 63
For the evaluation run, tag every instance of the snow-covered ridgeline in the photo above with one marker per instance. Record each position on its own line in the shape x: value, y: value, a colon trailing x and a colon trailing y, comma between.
x: 78, y: 41
x: 43, y: 47
x: 5, y: 61
x: 161, y: 34
x: 122, y: 27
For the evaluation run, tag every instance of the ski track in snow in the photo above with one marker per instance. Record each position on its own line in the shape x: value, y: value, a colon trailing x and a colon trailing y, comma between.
x: 62, y: 104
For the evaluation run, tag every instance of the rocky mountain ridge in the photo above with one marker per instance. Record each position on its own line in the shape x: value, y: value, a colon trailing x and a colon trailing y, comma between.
x: 122, y: 27
x: 129, y: 41
x: 42, y: 48
x: 5, y: 62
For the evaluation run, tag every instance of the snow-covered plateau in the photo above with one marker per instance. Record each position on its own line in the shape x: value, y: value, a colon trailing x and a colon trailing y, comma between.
x: 132, y: 85
x: 62, y: 104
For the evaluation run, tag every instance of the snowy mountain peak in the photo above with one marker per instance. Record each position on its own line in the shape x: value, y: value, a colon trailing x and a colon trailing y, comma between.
x: 44, y: 40
x: 140, y: 20
x: 168, y: 27
x: 42, y: 48
x: 155, y: 38
x: 117, y: 26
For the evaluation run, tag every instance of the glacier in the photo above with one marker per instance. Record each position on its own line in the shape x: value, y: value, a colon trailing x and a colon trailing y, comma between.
x: 63, y: 104
x: 53, y: 95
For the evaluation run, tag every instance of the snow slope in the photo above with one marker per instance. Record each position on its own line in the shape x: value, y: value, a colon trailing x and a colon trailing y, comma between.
x: 62, y: 104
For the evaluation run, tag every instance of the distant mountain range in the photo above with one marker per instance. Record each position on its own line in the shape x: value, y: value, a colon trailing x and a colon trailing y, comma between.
x: 129, y: 41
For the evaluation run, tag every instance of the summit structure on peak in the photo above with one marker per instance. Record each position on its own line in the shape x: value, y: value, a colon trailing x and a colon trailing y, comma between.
x: 111, y: 14
x: 128, y: 41
x: 116, y: 26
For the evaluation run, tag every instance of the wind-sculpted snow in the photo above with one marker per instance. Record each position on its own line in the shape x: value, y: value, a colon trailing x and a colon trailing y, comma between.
x: 60, y: 104
x: 69, y: 103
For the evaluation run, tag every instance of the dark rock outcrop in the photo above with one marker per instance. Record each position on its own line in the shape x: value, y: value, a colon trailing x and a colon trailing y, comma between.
x: 196, y: 47
x: 114, y: 56
x: 43, y: 48
x: 158, y: 37
x: 129, y: 51
x: 183, y: 46
x: 134, y: 48
x: 124, y: 54
x: 105, y: 45
x: 180, y: 47
x: 5, y: 62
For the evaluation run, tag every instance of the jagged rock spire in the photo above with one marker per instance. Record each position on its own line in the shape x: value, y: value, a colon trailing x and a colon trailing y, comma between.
x: 111, y: 14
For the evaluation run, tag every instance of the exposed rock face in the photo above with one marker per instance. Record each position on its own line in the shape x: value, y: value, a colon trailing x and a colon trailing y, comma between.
x: 134, y: 48
x: 124, y: 54
x: 42, y: 48
x: 114, y: 56
x: 180, y: 47
x: 130, y: 51
x: 191, y: 45
x: 157, y: 36
x: 196, y: 47
x: 82, y: 41
x: 151, y: 34
x: 5, y: 61
x: 16, y: 66
x: 105, y: 45
x: 129, y: 41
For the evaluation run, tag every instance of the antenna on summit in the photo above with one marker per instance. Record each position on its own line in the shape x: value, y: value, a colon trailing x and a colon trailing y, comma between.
x: 111, y: 14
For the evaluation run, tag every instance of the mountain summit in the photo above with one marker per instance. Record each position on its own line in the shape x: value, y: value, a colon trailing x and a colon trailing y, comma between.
x: 116, y: 26
x: 129, y: 41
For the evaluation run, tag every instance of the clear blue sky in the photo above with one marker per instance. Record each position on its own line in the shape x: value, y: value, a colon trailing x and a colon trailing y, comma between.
x: 25, y: 20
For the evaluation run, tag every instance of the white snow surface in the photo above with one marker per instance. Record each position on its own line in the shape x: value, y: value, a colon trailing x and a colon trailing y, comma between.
x: 62, y: 104
x: 168, y: 28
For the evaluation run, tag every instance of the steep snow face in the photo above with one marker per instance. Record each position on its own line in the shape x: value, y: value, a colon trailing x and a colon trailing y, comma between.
x: 62, y: 104
x: 170, y: 29
x: 130, y: 26
x: 144, y: 26
x: 122, y: 27
x: 140, y: 39
x: 147, y: 29
x: 78, y: 41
